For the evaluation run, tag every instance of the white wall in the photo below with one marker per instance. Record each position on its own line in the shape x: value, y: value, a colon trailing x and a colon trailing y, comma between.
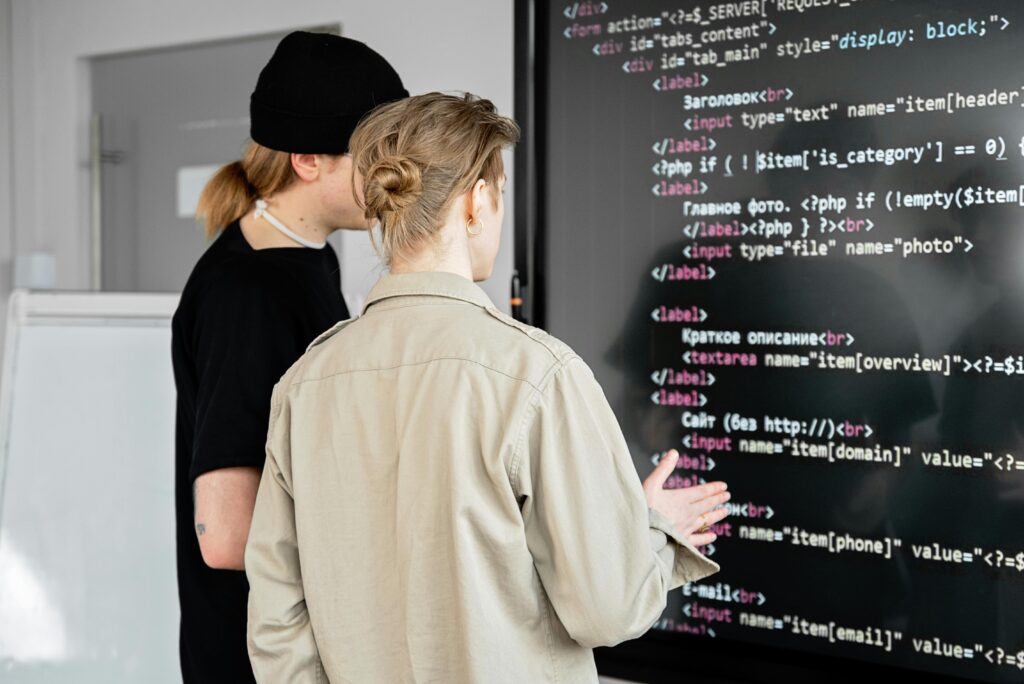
x: 6, y: 228
x: 437, y: 45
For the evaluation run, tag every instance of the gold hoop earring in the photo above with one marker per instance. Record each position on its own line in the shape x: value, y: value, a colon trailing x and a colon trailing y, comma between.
x: 469, y: 229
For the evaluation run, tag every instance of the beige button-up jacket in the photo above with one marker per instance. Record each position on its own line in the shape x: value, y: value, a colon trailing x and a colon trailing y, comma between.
x: 448, y: 497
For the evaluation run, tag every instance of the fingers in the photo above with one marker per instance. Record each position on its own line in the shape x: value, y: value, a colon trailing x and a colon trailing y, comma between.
x: 706, y: 503
x: 666, y: 466
x: 699, y: 492
x: 702, y: 539
x: 709, y: 518
x: 715, y: 501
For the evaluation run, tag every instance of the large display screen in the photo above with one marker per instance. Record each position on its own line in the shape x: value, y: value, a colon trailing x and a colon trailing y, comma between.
x: 788, y: 237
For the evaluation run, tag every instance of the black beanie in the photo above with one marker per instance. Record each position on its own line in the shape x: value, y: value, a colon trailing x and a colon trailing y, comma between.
x: 315, y: 89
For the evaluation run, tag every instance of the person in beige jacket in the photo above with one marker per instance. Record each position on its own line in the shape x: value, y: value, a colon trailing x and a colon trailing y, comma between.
x: 447, y: 495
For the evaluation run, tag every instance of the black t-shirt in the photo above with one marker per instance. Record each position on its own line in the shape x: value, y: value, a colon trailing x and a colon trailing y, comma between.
x: 245, y: 316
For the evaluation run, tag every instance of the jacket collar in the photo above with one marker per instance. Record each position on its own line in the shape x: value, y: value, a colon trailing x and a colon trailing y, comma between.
x: 427, y: 284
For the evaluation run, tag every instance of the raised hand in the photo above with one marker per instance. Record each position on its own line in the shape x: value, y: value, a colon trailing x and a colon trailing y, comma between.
x: 692, y: 509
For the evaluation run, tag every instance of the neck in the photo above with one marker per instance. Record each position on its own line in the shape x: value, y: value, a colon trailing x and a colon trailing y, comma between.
x: 448, y: 255
x: 422, y: 264
x: 293, y: 212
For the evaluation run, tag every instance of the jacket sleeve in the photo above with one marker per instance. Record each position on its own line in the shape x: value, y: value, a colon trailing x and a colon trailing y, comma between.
x: 606, y: 560
x: 279, y: 635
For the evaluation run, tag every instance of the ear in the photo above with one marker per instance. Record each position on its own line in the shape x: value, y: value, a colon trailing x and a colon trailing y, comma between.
x: 477, y: 197
x: 306, y: 166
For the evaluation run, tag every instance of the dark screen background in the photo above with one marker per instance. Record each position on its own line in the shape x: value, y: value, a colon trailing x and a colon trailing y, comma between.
x: 604, y: 231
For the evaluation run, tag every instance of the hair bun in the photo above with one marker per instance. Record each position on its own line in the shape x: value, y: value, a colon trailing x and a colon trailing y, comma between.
x: 392, y: 184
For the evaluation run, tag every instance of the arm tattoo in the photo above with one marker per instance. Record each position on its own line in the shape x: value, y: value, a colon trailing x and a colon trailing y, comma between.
x: 200, y: 527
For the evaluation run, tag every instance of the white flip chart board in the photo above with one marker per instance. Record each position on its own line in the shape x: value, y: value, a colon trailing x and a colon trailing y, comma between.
x: 87, y: 558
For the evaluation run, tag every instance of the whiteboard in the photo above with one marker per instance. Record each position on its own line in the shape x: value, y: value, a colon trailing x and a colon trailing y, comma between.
x: 87, y: 541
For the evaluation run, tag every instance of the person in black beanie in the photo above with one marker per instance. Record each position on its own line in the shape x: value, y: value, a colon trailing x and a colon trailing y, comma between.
x: 264, y: 289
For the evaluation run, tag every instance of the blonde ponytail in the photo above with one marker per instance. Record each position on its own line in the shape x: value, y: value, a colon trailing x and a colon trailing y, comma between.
x: 260, y: 172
